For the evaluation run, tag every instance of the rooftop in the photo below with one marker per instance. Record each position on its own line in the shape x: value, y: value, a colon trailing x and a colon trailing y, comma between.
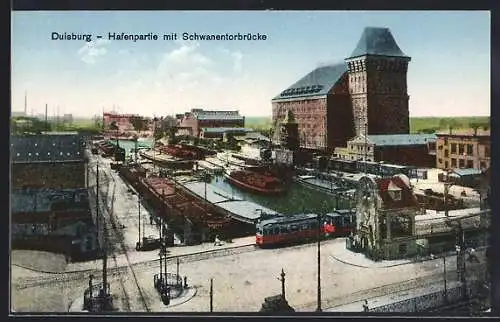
x: 225, y: 129
x: 51, y: 147
x: 201, y: 114
x: 465, y: 132
x: 318, y: 82
x: 377, y: 41
x: 467, y: 172
x: 397, y: 139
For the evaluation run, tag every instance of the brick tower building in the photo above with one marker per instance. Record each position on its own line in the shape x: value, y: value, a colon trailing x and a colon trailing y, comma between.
x: 366, y: 93
x: 377, y: 71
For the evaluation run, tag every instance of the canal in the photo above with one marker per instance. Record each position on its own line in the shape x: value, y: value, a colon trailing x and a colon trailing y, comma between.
x: 298, y: 198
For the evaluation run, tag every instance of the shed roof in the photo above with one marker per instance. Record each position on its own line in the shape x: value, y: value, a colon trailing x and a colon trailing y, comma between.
x: 398, y: 139
x: 377, y: 41
x: 467, y: 172
x: 316, y: 83
x: 216, y: 115
x: 226, y: 129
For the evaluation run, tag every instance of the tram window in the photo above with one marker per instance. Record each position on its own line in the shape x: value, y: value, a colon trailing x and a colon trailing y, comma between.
x: 266, y: 231
x: 314, y: 225
x: 304, y: 226
x: 276, y: 230
x: 259, y: 230
x: 294, y: 228
x: 284, y: 229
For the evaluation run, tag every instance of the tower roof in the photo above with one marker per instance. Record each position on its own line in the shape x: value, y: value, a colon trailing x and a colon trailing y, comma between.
x: 377, y: 41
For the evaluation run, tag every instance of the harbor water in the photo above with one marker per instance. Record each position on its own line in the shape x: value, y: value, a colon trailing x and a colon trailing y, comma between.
x: 297, y: 199
x: 128, y: 145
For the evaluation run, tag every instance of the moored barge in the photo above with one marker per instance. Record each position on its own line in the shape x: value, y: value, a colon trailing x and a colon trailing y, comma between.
x: 193, y: 218
x: 264, y: 183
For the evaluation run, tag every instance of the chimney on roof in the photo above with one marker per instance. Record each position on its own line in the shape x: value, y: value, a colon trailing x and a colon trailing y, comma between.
x: 475, y: 131
x: 450, y: 129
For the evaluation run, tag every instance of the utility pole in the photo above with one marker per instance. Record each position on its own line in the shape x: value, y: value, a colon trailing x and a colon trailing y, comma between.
x: 177, y: 271
x: 211, y: 295
x: 319, y: 265
x: 46, y: 118
x: 97, y: 218
x: 445, y: 286
x: 366, y: 145
x: 139, y: 207
x: 161, y: 248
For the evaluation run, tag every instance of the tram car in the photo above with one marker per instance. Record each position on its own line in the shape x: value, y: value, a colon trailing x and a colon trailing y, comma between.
x: 343, y: 221
x: 303, y: 227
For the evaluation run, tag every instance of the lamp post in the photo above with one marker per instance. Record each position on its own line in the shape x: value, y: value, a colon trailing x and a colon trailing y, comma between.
x: 318, y: 309
x: 282, y: 280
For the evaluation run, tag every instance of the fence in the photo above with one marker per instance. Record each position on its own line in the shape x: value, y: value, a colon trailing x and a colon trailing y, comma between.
x: 433, y: 300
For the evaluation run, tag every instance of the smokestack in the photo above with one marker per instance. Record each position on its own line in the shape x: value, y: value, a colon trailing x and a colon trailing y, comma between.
x: 26, y: 103
x: 46, y: 117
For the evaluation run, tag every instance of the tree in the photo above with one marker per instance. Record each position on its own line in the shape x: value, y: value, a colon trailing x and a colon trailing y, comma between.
x: 113, y: 126
x: 138, y: 122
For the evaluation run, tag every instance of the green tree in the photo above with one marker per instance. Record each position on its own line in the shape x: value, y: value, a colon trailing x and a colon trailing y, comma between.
x: 139, y: 123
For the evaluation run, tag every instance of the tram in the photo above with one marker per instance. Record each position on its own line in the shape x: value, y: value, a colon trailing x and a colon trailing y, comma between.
x: 303, y: 227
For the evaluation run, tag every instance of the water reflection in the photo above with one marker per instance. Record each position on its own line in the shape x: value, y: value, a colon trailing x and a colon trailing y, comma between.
x: 298, y: 198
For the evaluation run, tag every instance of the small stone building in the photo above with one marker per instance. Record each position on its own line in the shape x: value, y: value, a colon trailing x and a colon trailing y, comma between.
x: 385, y: 214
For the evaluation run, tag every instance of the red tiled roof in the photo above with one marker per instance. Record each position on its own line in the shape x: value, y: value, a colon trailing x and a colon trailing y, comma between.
x: 408, y: 199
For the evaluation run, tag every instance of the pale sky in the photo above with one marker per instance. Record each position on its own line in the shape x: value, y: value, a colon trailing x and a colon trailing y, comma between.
x: 449, y: 74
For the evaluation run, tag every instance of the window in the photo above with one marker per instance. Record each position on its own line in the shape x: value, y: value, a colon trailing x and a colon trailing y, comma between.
x: 453, y: 148
x: 453, y: 163
x: 440, y: 160
x: 446, y: 154
x: 470, y: 149
x: 483, y: 165
x: 294, y: 228
x: 446, y: 165
x: 284, y: 229
x: 461, y: 163
x: 487, y: 151
x: 461, y: 149
x: 470, y: 164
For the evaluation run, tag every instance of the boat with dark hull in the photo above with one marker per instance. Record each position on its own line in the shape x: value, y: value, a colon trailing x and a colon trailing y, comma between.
x: 259, y: 182
x: 200, y: 220
x: 165, y: 160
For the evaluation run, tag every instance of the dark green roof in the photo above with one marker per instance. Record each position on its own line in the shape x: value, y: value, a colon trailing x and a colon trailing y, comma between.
x: 318, y: 82
x: 225, y: 129
x: 377, y: 41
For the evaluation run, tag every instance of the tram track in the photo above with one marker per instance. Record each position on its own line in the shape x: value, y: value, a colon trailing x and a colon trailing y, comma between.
x: 138, y: 267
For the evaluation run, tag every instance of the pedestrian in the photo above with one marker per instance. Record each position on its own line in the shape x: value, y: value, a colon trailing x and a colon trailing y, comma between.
x: 365, y: 306
x: 472, y: 255
x: 217, y: 241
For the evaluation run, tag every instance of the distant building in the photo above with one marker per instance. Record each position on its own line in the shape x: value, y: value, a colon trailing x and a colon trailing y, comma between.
x: 18, y: 114
x: 402, y: 149
x: 68, y: 118
x: 121, y: 120
x: 365, y: 94
x: 198, y: 121
x: 459, y: 149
